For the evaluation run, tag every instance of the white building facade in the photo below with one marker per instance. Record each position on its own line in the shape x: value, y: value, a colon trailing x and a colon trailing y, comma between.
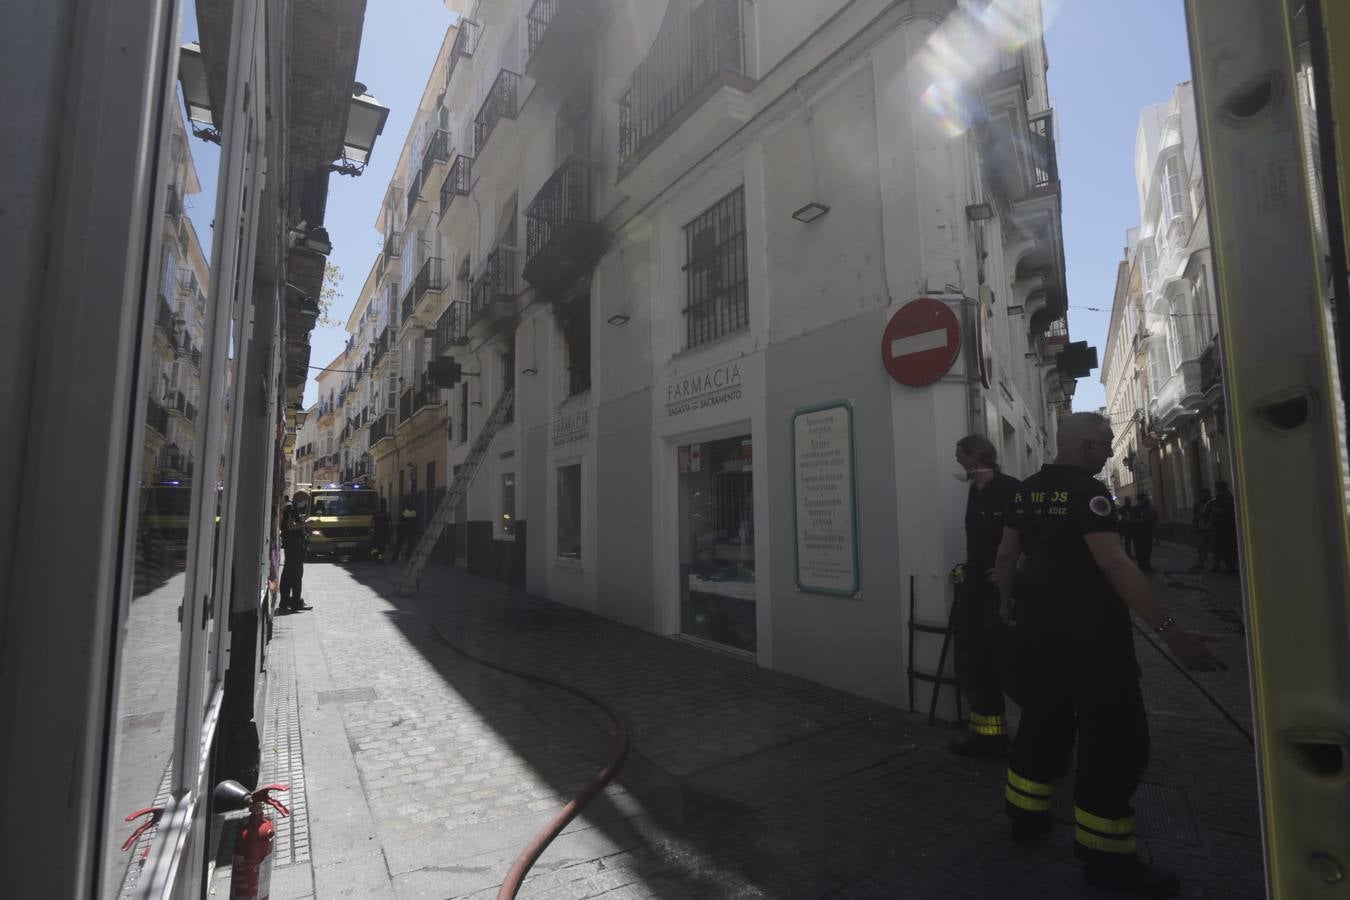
x: 1181, y: 441
x: 679, y: 231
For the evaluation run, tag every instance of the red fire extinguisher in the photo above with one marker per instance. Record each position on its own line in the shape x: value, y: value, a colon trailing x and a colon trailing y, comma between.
x: 251, y: 875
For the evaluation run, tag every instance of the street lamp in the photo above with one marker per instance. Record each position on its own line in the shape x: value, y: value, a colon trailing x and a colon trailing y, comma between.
x: 365, y: 121
x: 196, y: 93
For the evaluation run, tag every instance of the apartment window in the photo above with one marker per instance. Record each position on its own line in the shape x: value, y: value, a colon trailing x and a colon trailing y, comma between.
x: 1173, y: 189
x: 573, y: 127
x: 1148, y: 259
x: 716, y: 289
x: 575, y: 321
x: 569, y: 512
x: 508, y: 521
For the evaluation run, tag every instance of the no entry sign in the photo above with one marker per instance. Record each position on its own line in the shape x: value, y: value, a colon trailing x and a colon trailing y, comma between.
x: 920, y: 342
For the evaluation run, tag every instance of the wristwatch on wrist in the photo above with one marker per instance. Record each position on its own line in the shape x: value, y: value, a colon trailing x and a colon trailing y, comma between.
x: 1166, y: 624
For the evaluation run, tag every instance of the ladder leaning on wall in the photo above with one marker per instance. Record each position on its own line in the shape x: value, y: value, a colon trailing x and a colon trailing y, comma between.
x: 407, y: 585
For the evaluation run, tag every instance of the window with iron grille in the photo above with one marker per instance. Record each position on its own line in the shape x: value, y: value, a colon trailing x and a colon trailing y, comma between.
x: 717, y: 298
x: 575, y: 321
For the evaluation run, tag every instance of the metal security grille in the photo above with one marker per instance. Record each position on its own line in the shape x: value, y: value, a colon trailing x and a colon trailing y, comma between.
x: 717, y: 293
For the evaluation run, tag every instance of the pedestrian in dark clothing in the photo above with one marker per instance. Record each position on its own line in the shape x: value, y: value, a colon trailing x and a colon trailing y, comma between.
x: 979, y: 630
x: 407, y: 531
x: 379, y: 534
x: 1076, y: 646
x: 1225, y: 527
x: 1202, y: 521
x: 295, y: 543
x: 1127, y: 526
x: 1145, y: 518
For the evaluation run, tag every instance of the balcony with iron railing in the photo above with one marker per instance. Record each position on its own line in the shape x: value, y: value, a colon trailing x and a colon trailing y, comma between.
x: 393, y: 244
x: 415, y: 399
x: 457, y: 182
x: 434, y: 159
x: 563, y: 240
x: 499, y: 105
x: 173, y: 202
x: 1041, y: 142
x: 430, y: 281
x: 381, y: 427
x: 175, y: 402
x: 380, y: 347
x: 156, y: 416
x: 696, y: 54
x: 495, y: 289
x: 452, y: 328
x: 466, y: 41
x: 555, y: 31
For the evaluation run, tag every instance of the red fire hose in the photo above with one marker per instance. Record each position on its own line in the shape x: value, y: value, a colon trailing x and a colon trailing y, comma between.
x: 530, y: 855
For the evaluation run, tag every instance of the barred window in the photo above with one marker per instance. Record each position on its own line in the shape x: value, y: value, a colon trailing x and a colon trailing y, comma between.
x: 717, y: 294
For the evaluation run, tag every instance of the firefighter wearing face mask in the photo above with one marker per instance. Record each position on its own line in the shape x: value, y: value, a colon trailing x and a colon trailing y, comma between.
x: 979, y: 631
x: 1077, y: 663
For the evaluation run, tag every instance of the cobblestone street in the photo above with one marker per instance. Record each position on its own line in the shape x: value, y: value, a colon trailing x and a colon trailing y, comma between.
x: 425, y: 773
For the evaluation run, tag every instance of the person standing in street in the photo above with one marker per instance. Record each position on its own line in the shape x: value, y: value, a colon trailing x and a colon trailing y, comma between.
x: 1225, y: 528
x: 1127, y: 526
x: 1076, y: 645
x: 1202, y: 522
x: 1145, y: 518
x: 379, y: 533
x: 295, y: 544
x: 979, y: 630
x: 407, y: 531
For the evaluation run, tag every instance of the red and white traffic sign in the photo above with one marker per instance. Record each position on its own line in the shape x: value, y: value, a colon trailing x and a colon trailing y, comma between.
x: 920, y: 342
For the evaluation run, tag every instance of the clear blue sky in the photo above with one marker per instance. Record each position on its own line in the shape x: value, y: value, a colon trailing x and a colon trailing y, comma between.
x: 1107, y: 61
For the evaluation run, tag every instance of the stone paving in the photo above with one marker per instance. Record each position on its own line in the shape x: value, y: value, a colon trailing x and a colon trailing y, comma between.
x: 427, y: 772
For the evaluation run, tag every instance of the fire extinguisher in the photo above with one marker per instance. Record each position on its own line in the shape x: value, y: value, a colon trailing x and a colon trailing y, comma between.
x: 251, y: 873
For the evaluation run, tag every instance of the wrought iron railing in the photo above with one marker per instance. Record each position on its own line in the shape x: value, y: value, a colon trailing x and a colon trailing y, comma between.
x: 156, y: 416
x: 499, y: 104
x: 497, y: 280
x: 687, y: 55
x: 437, y: 151
x: 190, y: 413
x: 466, y: 41
x: 175, y: 401
x: 452, y: 328
x: 538, y: 19
x: 173, y: 202
x: 393, y: 244
x: 381, y: 346
x: 382, y: 426
x: 457, y: 181
x: 565, y: 198
x: 1045, y: 165
x: 414, y: 191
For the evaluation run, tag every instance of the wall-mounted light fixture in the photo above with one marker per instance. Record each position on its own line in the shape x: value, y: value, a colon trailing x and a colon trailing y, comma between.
x: 979, y: 212
x: 810, y: 212
x: 618, y: 319
x: 365, y: 120
x: 192, y: 77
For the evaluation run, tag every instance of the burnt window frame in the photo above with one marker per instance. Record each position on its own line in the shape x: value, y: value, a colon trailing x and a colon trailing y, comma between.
x: 716, y: 269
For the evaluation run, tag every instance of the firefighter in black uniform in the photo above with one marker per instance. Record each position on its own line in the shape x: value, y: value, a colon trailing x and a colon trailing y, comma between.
x: 1076, y: 648
x: 979, y: 630
x: 295, y: 543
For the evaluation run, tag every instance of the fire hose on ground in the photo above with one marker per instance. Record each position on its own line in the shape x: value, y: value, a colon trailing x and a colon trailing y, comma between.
x: 515, y: 876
